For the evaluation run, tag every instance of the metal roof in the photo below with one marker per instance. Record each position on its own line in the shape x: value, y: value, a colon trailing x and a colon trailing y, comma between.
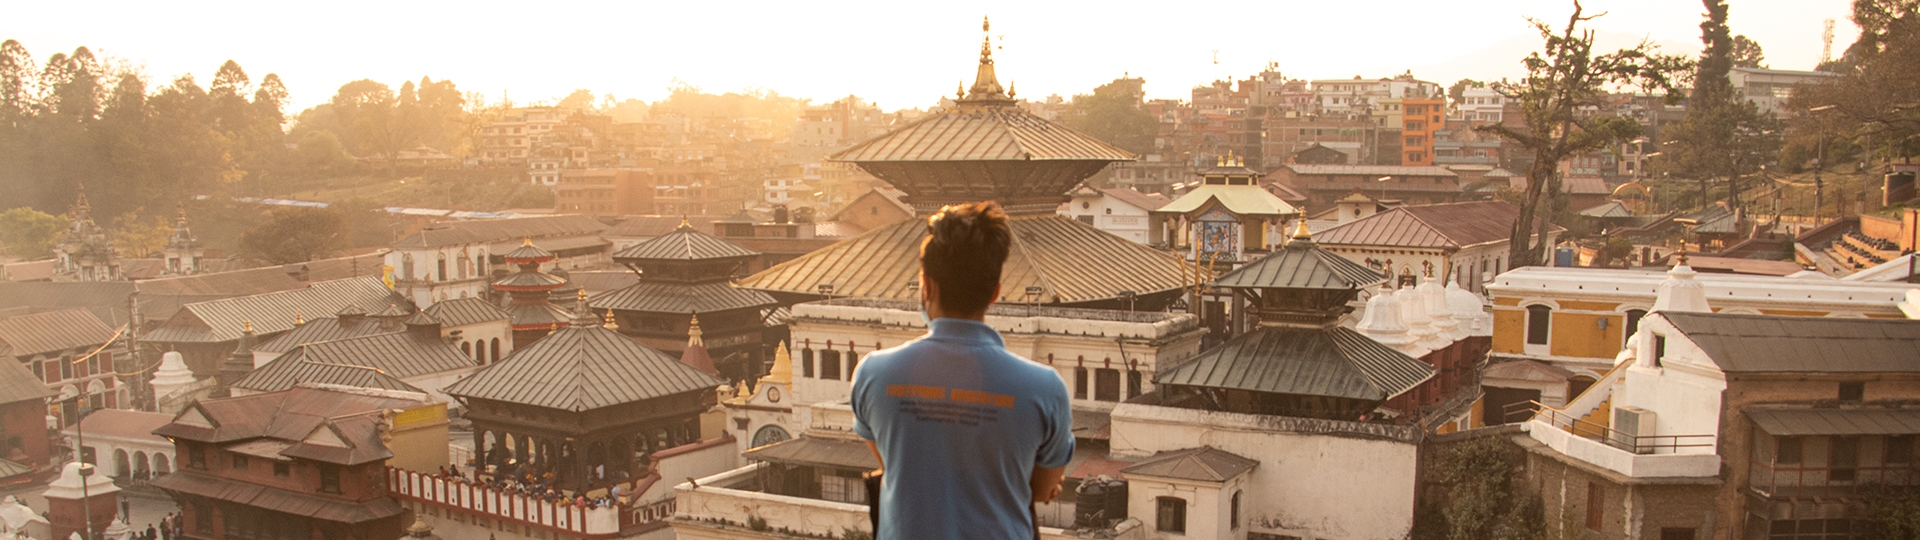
x: 1766, y: 343
x: 1612, y: 209
x: 582, y: 368
x: 465, y: 311
x: 288, y: 415
x: 1241, y: 200
x: 278, y: 375
x: 683, y: 244
x: 817, y: 452
x: 1333, y: 362
x: 53, y: 331
x: 18, y: 384
x: 221, y: 320
x: 651, y: 226
x: 1051, y: 252
x: 278, y: 500
x: 137, y: 425
x: 1453, y: 225
x: 528, y: 252
x: 401, y: 355
x: 326, y: 329
x: 1301, y: 265
x: 1143, y: 201
x: 982, y: 134
x: 682, y: 298
x: 1370, y: 170
x: 1788, y: 422
x: 534, y: 316
x: 1205, y: 464
x: 488, y: 231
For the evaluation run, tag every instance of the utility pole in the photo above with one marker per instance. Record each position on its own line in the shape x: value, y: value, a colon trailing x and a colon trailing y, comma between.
x: 1819, y: 162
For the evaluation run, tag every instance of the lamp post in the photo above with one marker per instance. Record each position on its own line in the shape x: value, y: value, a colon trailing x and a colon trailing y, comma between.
x: 1819, y: 162
x: 86, y: 471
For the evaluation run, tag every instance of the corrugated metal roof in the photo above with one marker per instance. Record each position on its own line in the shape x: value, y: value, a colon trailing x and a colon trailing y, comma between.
x: 682, y: 244
x: 682, y: 298
x: 1370, y: 170
x: 291, y: 369
x: 53, y: 331
x: 817, y: 452
x: 1205, y: 464
x: 1241, y: 200
x: 465, y: 311
x: 278, y: 500
x: 1612, y: 209
x: 1071, y: 261
x: 1334, y: 362
x: 401, y: 355
x: 288, y: 415
x: 651, y: 226
x: 488, y: 231
x: 1766, y: 343
x: 325, y: 329
x: 1789, y: 422
x: 582, y: 368
x: 1301, y: 265
x: 1143, y: 201
x: 1453, y: 225
x: 982, y: 134
x: 221, y: 320
x: 18, y: 384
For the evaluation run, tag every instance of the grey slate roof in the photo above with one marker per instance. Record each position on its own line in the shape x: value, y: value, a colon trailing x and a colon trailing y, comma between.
x: 53, y: 331
x: 683, y: 244
x: 324, y: 329
x: 1789, y: 422
x: 500, y: 230
x: 1766, y: 343
x: 582, y: 368
x: 221, y: 320
x: 1205, y: 464
x: 682, y: 298
x: 1333, y: 362
x: 1301, y: 265
x: 400, y: 355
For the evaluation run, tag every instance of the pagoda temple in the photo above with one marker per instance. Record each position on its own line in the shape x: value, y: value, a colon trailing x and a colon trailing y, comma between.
x: 531, y: 291
x: 1298, y: 361
x: 986, y: 147
x: 586, y: 403
x: 1228, y: 218
x: 685, y: 275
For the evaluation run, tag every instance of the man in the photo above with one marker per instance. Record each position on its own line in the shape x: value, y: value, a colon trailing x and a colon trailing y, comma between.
x: 970, y: 435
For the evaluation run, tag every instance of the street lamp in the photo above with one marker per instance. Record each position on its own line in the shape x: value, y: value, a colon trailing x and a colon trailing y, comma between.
x: 86, y: 471
x: 1383, y: 187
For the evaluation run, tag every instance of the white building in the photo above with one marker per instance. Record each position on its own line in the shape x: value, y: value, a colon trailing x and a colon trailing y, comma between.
x: 1771, y: 88
x: 1467, y: 241
x: 1480, y: 104
x: 1121, y: 211
x: 454, y: 259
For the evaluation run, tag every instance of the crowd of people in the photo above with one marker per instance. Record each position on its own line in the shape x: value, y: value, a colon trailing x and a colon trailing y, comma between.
x: 521, y: 479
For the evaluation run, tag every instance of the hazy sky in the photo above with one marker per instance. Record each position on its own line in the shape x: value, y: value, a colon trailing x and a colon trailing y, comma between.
x: 900, y: 54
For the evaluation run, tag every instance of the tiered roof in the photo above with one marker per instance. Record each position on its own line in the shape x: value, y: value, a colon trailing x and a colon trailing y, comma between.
x: 579, y: 368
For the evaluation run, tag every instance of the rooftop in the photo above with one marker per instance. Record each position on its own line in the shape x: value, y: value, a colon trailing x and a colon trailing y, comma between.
x: 1241, y: 200
x: 1777, y: 344
x: 1332, y: 362
x: 221, y: 320
x: 1869, y: 297
x: 689, y: 298
x: 491, y: 231
x: 465, y: 311
x: 292, y: 416
x: 1370, y: 170
x: 399, y: 355
x: 1205, y: 464
x: 53, y: 331
x: 1300, y: 265
x: 1453, y: 225
x: 684, y: 243
x: 581, y: 368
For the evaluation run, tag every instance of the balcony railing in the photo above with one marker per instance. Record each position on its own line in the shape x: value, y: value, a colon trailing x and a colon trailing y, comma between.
x: 1657, y: 456
x: 469, y: 498
x: 1799, y: 481
x: 1638, y: 444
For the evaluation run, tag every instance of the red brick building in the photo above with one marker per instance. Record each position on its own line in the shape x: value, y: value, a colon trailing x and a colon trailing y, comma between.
x: 299, y: 463
x: 23, y: 425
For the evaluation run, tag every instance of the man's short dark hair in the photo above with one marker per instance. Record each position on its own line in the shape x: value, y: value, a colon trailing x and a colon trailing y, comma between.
x: 965, y: 247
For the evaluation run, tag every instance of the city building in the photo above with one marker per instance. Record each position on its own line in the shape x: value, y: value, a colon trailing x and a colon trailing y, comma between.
x: 1479, y: 103
x: 879, y: 207
x: 206, y: 333
x: 604, y: 192
x: 417, y: 357
x: 72, y: 354
x: 122, y: 444
x: 302, y: 462
x: 1771, y: 88
x: 183, y: 252
x: 454, y: 259
x: 23, y: 424
x: 1466, y: 243
x: 1325, y: 184
x: 530, y: 308
x: 1122, y: 211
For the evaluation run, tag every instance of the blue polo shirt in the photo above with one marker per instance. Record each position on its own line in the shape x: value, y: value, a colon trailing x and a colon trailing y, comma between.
x: 960, y: 424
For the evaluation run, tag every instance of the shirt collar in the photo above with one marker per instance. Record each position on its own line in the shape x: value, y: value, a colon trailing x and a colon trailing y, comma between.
x: 965, y: 330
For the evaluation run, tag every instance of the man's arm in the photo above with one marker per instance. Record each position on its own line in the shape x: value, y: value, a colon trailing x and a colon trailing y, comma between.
x: 876, y: 456
x: 1045, y: 483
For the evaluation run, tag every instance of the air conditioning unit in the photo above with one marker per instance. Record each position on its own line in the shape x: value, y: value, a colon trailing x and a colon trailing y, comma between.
x: 1634, y: 424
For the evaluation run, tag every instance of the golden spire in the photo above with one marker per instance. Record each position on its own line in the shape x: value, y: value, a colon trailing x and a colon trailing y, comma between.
x: 782, y: 371
x: 986, y: 85
x: 683, y: 222
x: 1300, y: 231
x: 526, y: 241
x: 1683, y: 252
x: 297, y: 319
x: 610, y: 325
x: 1219, y: 161
x: 693, y: 333
x: 246, y: 325
x: 180, y: 212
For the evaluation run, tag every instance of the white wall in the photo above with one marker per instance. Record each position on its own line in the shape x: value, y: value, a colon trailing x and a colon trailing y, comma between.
x: 1111, y: 215
x: 1684, y: 394
x: 1313, y: 485
x: 1209, y: 508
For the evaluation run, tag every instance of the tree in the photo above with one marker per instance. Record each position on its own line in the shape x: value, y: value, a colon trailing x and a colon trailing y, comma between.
x: 1561, y: 81
x: 1746, y: 53
x: 296, y: 234
x: 320, y: 151
x: 1458, y: 92
x: 138, y: 238
x: 1875, y: 102
x: 579, y: 100
x: 1723, y: 134
x: 29, y: 234
x: 1481, y: 501
x: 1116, y: 113
x: 1891, y: 512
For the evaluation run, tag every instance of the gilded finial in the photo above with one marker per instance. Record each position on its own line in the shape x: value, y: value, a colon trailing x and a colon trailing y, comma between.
x: 1300, y: 231
x: 961, y: 90
x: 986, y: 25
x: 246, y: 325
x: 610, y: 325
x: 1219, y: 161
x: 1009, y: 89
x: 583, y: 295
x: 526, y: 241
x: 297, y: 319
x: 694, y: 333
x: 683, y: 222
x: 1683, y: 253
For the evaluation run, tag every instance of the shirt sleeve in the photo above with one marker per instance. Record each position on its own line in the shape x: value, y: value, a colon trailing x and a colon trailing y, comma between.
x: 860, y: 426
x: 1056, y: 448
